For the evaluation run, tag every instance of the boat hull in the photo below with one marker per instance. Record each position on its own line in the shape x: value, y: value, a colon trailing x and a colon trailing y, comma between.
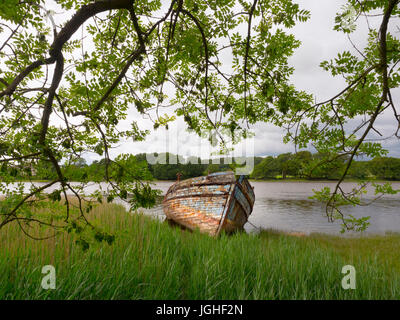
x: 212, y: 204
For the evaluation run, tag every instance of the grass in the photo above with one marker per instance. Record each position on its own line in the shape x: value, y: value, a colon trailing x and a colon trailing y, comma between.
x: 151, y: 260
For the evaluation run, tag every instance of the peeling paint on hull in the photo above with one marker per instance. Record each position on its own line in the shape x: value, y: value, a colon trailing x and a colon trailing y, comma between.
x: 210, y: 203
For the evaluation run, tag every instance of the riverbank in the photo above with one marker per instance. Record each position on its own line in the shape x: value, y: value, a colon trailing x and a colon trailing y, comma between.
x: 151, y: 260
x: 287, y: 206
x: 251, y: 180
x: 319, y: 180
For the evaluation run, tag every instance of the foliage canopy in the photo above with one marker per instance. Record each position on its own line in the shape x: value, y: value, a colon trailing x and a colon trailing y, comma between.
x: 71, y: 74
x: 70, y: 77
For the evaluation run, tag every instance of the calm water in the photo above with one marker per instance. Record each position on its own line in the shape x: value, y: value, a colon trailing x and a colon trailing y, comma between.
x: 285, y: 206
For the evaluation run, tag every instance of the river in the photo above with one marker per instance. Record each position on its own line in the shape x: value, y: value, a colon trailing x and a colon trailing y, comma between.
x: 286, y: 206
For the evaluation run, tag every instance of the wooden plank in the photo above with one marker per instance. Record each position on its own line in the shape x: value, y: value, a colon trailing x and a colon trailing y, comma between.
x: 210, y: 203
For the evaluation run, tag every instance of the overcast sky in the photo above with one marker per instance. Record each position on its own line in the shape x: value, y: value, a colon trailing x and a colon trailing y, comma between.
x: 319, y: 42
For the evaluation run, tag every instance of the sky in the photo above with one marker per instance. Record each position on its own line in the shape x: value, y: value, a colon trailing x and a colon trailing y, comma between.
x: 319, y: 42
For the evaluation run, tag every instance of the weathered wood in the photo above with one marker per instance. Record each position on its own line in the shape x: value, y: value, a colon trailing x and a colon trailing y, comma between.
x: 214, y: 203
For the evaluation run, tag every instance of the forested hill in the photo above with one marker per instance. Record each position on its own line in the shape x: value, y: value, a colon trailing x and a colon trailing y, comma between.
x: 302, y: 165
x: 305, y: 165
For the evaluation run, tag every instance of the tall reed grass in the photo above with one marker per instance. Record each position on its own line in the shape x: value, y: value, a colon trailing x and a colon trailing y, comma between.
x: 151, y: 260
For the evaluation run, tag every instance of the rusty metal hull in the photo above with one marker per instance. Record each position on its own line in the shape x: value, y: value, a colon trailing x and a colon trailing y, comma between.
x: 214, y: 203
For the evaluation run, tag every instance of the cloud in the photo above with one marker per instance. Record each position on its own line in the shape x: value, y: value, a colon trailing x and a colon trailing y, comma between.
x: 319, y: 42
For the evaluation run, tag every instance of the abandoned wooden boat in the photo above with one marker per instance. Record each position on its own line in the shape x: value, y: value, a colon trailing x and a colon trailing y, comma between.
x: 210, y: 203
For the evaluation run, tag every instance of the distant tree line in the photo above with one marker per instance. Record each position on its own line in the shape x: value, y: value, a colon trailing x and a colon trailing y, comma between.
x: 305, y: 165
x: 187, y: 168
x: 300, y: 165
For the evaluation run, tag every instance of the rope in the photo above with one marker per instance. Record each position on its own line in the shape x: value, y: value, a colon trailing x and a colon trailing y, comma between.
x: 254, y: 225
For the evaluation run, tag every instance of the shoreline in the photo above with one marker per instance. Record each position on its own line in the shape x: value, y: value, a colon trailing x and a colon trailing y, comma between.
x: 178, y: 265
x: 250, y: 179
